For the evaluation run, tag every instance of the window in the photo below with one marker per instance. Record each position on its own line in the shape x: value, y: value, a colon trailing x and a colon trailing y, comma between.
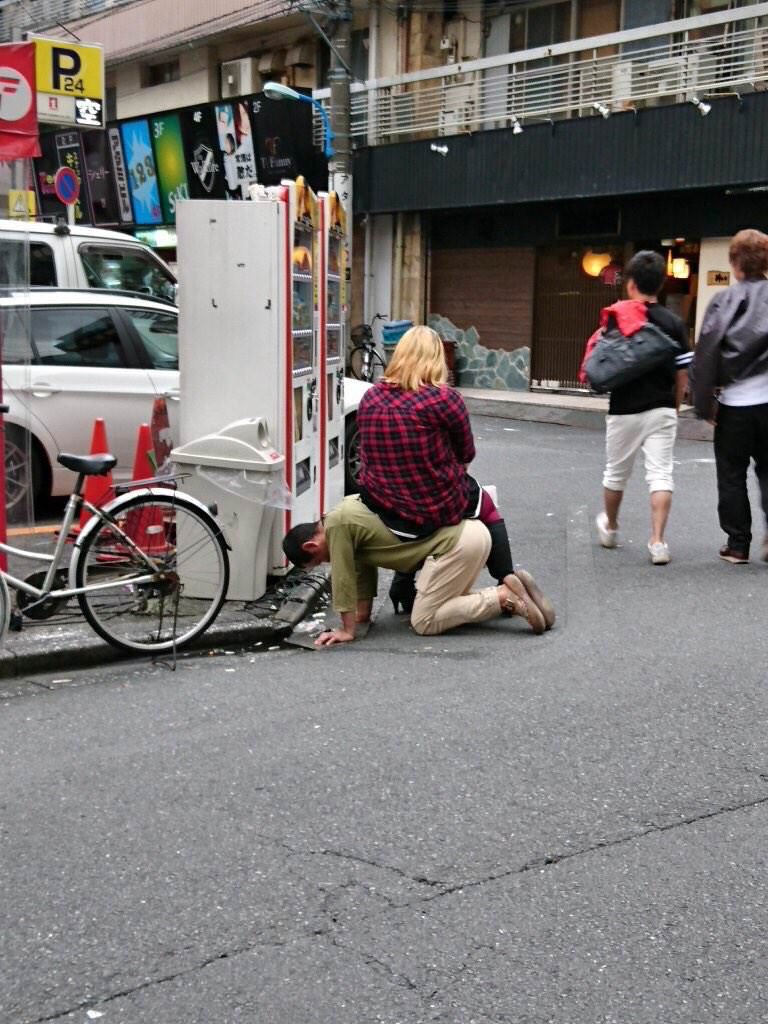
x: 159, y: 333
x: 14, y: 324
x: 75, y: 337
x: 14, y: 272
x: 161, y: 74
x: 130, y: 269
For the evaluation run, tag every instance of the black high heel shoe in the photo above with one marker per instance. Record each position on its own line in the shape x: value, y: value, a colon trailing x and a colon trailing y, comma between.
x: 402, y: 591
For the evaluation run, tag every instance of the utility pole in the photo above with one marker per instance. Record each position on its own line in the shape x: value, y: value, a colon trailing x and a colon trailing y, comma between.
x: 339, y: 77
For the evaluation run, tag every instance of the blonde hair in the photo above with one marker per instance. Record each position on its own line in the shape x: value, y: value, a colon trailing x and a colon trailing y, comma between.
x: 417, y: 360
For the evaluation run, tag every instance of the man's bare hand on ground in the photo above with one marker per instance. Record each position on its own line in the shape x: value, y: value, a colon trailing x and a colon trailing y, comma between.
x: 334, y: 636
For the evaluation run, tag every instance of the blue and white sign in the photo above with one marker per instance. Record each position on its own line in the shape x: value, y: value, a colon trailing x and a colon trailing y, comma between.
x: 142, y: 174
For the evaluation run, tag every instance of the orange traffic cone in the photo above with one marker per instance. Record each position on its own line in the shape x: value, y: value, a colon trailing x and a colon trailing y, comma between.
x: 143, y: 469
x: 146, y: 528
x: 98, y: 489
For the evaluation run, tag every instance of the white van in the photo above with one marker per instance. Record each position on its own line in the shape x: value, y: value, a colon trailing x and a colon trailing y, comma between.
x: 59, y: 256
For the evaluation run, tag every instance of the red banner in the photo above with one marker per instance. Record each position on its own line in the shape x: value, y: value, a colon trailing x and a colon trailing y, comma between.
x: 18, y: 102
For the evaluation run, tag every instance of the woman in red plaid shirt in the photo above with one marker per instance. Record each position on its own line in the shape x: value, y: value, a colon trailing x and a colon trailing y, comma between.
x: 415, y: 444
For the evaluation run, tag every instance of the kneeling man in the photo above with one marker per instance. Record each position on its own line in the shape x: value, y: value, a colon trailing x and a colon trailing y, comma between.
x: 356, y: 542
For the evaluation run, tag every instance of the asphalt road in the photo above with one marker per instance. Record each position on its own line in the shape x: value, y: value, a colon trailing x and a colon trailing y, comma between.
x: 482, y: 827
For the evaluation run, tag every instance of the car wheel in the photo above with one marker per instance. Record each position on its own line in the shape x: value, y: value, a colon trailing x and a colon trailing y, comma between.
x: 351, y: 455
x: 20, y: 477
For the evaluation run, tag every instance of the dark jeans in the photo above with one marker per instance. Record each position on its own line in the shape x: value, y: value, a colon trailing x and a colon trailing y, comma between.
x: 741, y: 434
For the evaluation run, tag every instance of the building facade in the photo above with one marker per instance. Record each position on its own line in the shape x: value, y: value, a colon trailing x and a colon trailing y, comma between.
x: 509, y: 155
x: 545, y: 143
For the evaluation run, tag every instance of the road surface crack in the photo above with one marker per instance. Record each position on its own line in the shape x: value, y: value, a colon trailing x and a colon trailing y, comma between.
x: 560, y: 858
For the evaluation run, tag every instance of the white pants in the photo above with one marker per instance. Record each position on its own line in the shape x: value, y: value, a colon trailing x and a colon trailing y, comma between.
x: 653, y: 431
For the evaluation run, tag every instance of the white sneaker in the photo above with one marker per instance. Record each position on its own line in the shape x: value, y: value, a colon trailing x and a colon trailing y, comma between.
x: 608, y: 538
x: 659, y: 552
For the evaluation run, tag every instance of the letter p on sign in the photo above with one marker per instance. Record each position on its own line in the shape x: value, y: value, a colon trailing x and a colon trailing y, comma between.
x: 65, y: 64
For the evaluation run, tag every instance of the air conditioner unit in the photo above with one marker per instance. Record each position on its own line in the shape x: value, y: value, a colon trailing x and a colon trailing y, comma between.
x: 239, y: 77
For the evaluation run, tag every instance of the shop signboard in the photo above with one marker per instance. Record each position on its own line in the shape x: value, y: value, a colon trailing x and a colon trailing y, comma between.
x: 70, y: 82
x: 101, y: 179
x: 235, y: 138
x: 18, y: 114
x: 205, y: 172
x: 61, y: 149
x: 117, y: 160
x: 138, y: 170
x: 170, y: 162
x: 142, y: 174
x: 284, y: 141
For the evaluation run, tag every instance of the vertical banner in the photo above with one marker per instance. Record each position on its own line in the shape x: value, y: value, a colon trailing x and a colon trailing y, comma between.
x: 142, y: 175
x: 18, y: 105
x: 101, y: 179
x: 245, y: 154
x: 238, y: 157
x: 171, y: 164
x: 205, y: 174
x: 225, y: 131
x: 122, y: 192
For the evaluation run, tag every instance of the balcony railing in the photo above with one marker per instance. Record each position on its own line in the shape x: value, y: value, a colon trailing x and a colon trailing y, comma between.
x: 20, y: 16
x: 681, y: 60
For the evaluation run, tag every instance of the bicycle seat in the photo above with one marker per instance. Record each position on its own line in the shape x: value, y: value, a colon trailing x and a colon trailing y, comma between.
x: 88, y: 465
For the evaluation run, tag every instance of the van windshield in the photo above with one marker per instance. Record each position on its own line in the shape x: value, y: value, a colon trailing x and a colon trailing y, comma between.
x: 128, y: 268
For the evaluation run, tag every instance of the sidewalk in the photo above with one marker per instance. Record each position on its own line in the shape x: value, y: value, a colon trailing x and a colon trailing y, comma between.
x: 564, y: 409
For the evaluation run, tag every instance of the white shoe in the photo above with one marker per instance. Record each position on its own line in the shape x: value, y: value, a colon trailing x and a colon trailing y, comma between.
x: 659, y: 552
x: 608, y: 538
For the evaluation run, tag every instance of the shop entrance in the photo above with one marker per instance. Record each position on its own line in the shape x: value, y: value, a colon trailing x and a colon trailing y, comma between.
x: 574, y: 282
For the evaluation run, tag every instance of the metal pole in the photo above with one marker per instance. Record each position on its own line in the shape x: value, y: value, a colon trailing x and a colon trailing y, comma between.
x: 340, y: 165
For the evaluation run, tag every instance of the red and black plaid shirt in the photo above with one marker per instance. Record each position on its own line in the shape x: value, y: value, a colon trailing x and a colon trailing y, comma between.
x: 414, y: 446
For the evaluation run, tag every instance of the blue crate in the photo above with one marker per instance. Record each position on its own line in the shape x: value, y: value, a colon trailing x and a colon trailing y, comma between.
x: 393, y: 330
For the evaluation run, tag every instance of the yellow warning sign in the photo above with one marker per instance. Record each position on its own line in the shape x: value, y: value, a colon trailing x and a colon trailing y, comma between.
x: 22, y: 204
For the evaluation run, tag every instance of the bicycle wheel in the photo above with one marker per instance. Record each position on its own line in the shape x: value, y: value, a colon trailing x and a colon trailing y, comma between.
x: 180, y: 600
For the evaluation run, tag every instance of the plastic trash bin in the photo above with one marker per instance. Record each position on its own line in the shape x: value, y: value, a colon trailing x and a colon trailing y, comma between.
x: 240, y: 472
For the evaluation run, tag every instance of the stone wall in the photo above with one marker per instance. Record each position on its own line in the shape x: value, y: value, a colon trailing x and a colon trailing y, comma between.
x: 481, y: 367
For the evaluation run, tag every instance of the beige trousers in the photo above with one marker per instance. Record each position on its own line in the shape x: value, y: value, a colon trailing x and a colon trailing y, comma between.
x: 443, y: 597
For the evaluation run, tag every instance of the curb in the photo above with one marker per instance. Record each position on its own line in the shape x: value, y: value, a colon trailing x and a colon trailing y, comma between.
x: 89, y: 651
x: 689, y: 428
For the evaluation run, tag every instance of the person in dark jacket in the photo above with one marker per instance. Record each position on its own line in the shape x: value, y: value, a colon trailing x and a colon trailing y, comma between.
x: 729, y: 382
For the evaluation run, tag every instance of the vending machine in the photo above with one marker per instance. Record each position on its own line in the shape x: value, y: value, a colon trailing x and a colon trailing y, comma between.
x: 332, y: 320
x: 249, y: 335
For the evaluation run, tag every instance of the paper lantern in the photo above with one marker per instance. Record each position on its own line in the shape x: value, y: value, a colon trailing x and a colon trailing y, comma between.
x: 681, y: 268
x: 593, y: 262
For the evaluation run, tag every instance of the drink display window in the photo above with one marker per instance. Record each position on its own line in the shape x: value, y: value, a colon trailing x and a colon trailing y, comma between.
x: 303, y: 298
x: 334, y: 296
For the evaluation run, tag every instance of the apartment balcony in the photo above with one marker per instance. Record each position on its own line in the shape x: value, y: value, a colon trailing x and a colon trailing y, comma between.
x: 668, y: 63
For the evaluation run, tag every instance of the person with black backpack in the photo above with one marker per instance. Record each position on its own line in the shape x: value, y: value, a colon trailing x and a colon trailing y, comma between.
x: 642, y: 413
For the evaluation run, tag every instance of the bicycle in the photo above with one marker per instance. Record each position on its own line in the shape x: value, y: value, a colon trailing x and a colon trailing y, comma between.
x: 149, y: 569
x: 365, y: 361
